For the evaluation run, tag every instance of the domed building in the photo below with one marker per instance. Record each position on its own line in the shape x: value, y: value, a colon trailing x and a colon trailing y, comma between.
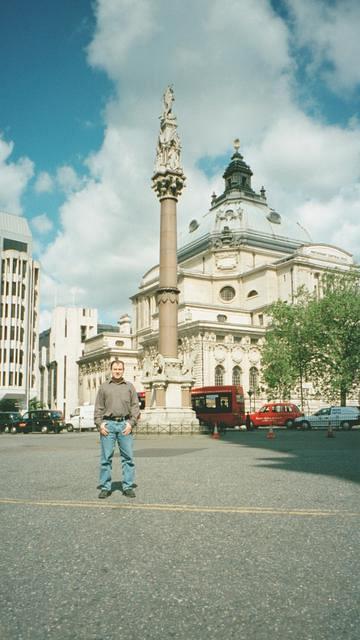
x: 233, y: 262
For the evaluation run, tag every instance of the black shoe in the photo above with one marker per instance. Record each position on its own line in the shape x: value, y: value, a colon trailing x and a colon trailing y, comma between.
x: 129, y: 493
x: 104, y: 493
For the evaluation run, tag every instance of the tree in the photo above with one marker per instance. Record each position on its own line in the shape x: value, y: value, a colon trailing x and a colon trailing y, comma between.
x: 335, y: 367
x: 316, y: 339
x: 9, y: 404
x: 288, y: 347
x: 34, y: 404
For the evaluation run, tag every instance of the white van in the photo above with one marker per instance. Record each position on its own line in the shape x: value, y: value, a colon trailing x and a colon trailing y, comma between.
x: 337, y: 417
x: 82, y: 419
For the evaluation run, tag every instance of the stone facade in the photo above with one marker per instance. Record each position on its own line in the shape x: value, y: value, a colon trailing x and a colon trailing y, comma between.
x: 60, y: 348
x: 232, y: 264
x: 99, y: 351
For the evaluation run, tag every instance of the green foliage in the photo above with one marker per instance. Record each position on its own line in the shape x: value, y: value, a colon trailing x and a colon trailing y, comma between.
x: 287, y: 352
x: 316, y: 339
x: 336, y: 364
x: 34, y: 404
x: 8, y: 404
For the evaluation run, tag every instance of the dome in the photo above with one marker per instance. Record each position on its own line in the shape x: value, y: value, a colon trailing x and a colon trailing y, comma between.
x: 243, y: 214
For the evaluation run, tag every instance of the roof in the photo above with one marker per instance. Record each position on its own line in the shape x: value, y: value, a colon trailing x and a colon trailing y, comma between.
x: 15, y: 226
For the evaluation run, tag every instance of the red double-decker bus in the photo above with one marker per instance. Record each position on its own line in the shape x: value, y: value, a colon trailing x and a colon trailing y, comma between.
x: 221, y: 406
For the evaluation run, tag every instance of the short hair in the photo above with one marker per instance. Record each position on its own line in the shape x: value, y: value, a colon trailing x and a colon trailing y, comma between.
x: 117, y: 362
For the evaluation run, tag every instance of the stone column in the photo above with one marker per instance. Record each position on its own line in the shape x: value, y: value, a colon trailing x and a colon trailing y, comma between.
x: 168, y: 293
x: 170, y: 410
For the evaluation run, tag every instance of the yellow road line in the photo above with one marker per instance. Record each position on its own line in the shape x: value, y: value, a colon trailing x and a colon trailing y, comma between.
x: 184, y: 508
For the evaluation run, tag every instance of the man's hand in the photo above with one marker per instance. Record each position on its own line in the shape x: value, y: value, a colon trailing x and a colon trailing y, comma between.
x: 127, y: 429
x: 103, y: 429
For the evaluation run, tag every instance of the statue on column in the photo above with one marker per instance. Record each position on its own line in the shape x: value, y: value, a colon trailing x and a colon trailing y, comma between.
x: 168, y: 147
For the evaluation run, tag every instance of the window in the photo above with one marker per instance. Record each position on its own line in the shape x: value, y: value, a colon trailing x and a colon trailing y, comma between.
x: 253, y: 379
x: 15, y: 245
x: 221, y: 318
x: 252, y: 293
x: 227, y: 293
x: 236, y: 375
x: 219, y: 375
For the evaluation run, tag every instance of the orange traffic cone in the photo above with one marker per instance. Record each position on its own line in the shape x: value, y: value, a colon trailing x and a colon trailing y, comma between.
x: 216, y: 434
x: 330, y: 433
x: 270, y: 434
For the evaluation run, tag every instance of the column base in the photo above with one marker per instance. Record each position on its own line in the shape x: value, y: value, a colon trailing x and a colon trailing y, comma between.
x: 175, y: 421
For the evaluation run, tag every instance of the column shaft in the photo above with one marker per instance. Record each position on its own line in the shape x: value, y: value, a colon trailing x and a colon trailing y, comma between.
x: 168, y: 292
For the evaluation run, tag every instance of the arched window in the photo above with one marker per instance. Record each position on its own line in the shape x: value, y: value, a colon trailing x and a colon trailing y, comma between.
x: 236, y: 375
x: 253, y: 379
x: 219, y: 375
x: 252, y: 293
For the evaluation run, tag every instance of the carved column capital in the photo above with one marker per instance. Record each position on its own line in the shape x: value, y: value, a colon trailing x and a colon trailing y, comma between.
x: 168, y: 185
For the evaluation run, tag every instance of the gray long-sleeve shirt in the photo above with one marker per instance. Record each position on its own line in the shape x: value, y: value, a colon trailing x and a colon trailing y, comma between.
x: 117, y: 399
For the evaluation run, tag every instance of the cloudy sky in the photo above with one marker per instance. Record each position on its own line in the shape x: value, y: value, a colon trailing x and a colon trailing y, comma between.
x: 81, y: 94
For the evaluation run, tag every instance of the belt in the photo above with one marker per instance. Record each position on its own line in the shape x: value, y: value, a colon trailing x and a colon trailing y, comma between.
x: 117, y: 418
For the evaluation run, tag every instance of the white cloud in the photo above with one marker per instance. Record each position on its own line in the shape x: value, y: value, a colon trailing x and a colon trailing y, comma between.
x: 336, y: 218
x: 14, y: 177
x: 44, y: 319
x: 301, y: 158
x: 67, y: 179
x: 41, y: 223
x: 233, y: 75
x: 120, y: 24
x: 44, y: 183
x: 331, y: 31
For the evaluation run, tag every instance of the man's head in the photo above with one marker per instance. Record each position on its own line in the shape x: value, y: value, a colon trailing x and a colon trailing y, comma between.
x: 117, y: 369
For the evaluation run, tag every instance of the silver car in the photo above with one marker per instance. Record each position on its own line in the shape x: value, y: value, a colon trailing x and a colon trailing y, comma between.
x: 336, y: 417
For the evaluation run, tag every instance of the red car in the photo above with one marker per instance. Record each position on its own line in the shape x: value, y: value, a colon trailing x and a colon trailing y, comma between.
x: 275, y: 414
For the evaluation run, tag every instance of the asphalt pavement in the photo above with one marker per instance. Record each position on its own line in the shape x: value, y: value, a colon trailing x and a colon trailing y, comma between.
x: 238, y: 538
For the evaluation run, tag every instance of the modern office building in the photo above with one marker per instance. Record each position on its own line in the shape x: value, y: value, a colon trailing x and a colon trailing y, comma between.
x: 19, y: 311
x: 61, y: 346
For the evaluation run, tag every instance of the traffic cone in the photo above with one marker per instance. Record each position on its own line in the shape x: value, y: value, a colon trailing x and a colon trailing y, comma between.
x: 270, y: 434
x: 216, y: 434
x: 330, y: 433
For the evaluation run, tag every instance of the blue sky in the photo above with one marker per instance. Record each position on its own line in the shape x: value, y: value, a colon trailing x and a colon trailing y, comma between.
x: 81, y: 92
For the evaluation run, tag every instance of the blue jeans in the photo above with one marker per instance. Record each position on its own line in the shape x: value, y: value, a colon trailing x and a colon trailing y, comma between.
x: 125, y: 444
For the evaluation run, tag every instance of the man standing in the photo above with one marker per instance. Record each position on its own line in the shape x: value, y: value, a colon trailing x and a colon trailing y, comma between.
x: 116, y: 413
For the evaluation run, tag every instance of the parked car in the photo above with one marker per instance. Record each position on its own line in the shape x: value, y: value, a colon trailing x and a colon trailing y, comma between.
x: 8, y: 419
x: 41, y: 420
x: 337, y: 417
x: 275, y: 414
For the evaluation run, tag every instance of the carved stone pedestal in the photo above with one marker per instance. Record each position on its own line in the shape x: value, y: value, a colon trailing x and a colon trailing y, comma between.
x: 168, y: 401
x: 174, y: 421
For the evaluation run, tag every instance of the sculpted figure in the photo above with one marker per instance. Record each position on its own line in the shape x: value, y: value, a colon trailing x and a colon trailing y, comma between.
x: 168, y: 101
x: 159, y: 364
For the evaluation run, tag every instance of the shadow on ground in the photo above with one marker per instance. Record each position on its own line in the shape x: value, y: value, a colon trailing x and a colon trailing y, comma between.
x: 307, y: 452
